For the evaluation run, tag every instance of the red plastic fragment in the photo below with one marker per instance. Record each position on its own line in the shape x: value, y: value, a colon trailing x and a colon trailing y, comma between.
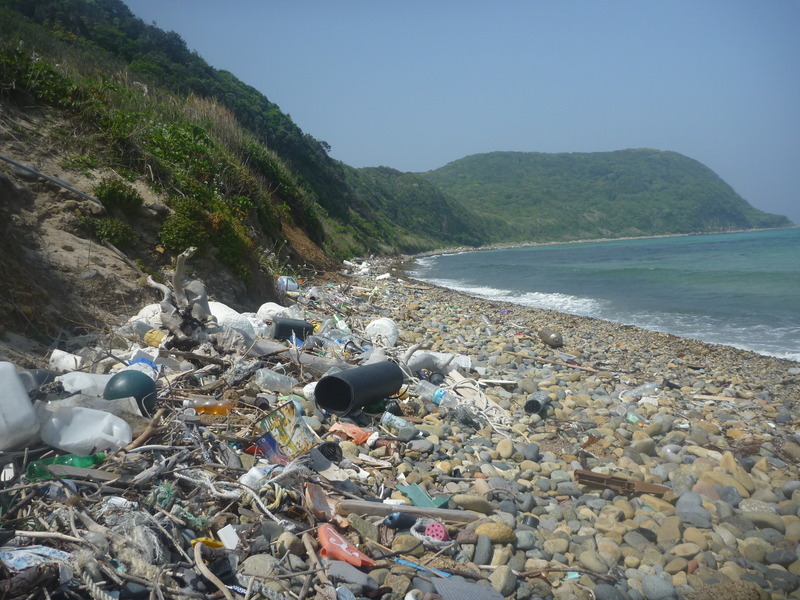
x: 335, y: 547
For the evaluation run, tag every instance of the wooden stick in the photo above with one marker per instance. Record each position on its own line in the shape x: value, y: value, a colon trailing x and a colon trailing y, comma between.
x: 328, y: 590
x: 198, y: 561
x: 364, y: 507
x: 50, y: 535
x: 149, y: 430
x: 561, y: 363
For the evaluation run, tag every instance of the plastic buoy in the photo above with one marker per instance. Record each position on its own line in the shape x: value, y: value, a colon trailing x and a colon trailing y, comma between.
x: 133, y: 383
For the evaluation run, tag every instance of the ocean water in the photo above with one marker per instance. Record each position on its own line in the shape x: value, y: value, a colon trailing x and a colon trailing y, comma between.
x: 737, y: 289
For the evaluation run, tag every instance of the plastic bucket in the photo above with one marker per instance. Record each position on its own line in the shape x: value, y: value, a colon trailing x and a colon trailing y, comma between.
x: 283, y: 328
x: 352, y: 389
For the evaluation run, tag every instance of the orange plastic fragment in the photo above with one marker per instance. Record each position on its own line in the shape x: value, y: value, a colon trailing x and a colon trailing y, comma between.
x: 335, y: 547
x: 354, y: 432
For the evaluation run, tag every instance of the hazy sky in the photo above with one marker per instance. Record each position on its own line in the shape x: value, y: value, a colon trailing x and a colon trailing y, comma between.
x: 415, y: 84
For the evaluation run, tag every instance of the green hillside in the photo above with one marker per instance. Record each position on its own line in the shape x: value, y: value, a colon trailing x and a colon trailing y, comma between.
x: 232, y: 165
x: 129, y: 102
x: 600, y: 194
x: 413, y: 215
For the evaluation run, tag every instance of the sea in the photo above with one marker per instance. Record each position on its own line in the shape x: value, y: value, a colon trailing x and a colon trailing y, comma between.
x: 739, y: 289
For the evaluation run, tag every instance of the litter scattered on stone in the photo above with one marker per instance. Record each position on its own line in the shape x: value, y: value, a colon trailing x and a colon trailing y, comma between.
x: 564, y: 457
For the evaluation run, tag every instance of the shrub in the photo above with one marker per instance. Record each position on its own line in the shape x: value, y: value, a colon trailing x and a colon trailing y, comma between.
x: 113, y: 231
x: 116, y: 194
x: 185, y: 227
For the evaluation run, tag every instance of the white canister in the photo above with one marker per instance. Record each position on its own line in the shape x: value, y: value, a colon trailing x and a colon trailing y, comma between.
x: 18, y: 423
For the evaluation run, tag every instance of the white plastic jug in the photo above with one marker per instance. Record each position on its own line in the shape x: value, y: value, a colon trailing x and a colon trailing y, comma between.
x: 18, y: 423
x: 82, y: 431
x: 91, y: 384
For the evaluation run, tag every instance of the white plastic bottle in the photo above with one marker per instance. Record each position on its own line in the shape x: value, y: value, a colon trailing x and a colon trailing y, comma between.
x: 91, y: 384
x: 18, y: 423
x: 433, y: 393
x: 642, y: 391
x: 269, y: 380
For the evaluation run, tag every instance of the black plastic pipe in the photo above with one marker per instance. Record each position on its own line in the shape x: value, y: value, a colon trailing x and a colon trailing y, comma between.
x: 355, y: 388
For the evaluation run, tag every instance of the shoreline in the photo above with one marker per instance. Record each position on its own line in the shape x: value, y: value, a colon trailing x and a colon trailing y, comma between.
x: 407, y: 263
x: 627, y: 342
x: 464, y: 249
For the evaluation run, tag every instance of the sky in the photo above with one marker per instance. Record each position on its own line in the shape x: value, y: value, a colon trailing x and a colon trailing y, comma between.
x: 416, y: 84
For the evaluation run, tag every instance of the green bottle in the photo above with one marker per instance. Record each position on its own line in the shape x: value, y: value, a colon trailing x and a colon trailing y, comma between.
x: 36, y: 471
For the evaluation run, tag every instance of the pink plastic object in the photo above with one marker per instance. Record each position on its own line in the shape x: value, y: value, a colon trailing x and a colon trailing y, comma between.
x: 437, y: 532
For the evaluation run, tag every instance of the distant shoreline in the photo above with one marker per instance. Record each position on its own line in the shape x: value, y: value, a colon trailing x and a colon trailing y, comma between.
x: 462, y: 249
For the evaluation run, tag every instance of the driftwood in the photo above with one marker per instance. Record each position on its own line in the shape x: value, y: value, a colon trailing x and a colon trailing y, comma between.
x: 377, y: 509
x: 36, y: 578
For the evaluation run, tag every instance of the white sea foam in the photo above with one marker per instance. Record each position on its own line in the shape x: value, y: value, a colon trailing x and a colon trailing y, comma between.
x: 757, y: 338
x: 564, y: 303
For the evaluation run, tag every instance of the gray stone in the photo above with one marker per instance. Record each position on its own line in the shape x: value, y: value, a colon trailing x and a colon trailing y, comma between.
x: 681, y: 482
x: 789, y: 487
x: 690, y: 509
x: 526, y: 540
x: 729, y: 494
x: 525, y: 502
x: 367, y: 529
x: 341, y: 571
x: 655, y: 587
x: 596, y: 503
x: 569, y: 488
x: 424, y: 445
x: 781, y: 557
x: 261, y: 565
x: 646, y: 446
x: 605, y: 591
x: 636, y: 540
x: 483, y: 551
x: 271, y: 530
x: 749, y: 505
x: 406, y: 434
x: 770, y: 535
x: 423, y: 585
x: 508, y: 506
x: 784, y: 581
x: 531, y: 452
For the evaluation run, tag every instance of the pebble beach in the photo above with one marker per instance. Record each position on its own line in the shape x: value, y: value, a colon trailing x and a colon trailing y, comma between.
x: 657, y: 468
x: 719, y: 433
